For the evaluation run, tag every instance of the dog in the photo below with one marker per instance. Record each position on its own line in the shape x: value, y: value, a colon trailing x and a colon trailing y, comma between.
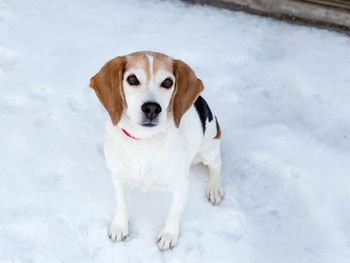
x: 158, y: 127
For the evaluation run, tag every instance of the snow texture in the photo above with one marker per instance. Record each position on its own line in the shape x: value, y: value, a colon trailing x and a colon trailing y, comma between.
x: 280, y: 91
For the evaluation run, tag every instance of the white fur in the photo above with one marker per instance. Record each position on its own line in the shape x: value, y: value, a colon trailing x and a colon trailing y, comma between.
x: 161, y: 159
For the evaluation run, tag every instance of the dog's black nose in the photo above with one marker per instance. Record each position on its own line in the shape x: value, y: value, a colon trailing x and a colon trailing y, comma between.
x: 151, y: 109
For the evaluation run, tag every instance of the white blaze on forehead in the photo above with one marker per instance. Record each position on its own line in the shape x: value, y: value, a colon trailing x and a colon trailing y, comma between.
x: 150, y: 61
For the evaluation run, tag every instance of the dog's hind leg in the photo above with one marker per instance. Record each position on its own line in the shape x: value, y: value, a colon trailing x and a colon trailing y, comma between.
x: 210, y: 156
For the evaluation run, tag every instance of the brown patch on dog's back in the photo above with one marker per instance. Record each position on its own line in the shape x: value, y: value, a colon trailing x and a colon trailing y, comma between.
x: 218, y: 130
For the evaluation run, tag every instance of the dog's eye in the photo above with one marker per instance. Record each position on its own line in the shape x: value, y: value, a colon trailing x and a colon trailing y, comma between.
x: 167, y: 83
x: 132, y: 80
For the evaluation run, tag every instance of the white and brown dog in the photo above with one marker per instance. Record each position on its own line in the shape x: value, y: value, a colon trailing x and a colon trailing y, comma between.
x: 158, y: 127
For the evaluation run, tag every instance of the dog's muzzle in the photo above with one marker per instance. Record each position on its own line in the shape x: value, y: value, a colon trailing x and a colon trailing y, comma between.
x: 151, y: 111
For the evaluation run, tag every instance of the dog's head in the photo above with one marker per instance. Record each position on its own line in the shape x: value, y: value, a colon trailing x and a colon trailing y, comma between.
x: 145, y: 91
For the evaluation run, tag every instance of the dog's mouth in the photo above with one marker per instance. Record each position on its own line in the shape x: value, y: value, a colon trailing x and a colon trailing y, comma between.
x: 149, y: 124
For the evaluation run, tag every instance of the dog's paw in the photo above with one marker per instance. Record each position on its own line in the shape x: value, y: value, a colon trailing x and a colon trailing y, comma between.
x: 118, y: 232
x: 167, y: 240
x: 215, y: 193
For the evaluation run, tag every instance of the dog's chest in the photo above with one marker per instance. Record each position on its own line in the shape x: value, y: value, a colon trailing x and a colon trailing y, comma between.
x: 150, y: 164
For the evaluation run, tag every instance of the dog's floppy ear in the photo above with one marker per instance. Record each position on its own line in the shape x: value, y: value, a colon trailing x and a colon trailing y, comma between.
x: 107, y: 84
x: 187, y: 89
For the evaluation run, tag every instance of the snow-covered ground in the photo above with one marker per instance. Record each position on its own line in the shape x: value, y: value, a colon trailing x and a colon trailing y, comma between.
x: 282, y: 95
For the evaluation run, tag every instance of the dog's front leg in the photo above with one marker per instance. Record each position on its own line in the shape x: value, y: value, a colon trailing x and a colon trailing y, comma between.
x: 118, y: 230
x: 169, y: 235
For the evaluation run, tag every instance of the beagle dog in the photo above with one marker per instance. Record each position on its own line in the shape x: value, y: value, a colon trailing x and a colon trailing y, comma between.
x: 158, y: 127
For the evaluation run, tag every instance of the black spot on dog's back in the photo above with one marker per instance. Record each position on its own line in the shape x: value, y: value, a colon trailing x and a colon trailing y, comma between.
x: 204, y: 111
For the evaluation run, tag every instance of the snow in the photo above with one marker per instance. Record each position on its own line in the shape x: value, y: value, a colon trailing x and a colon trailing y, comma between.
x: 280, y: 91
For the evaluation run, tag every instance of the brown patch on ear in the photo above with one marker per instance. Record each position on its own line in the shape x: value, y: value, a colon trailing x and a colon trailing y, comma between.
x: 218, y: 130
x: 187, y: 89
x: 107, y: 84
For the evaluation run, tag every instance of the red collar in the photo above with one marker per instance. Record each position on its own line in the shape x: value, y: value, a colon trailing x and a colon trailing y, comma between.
x: 129, y: 135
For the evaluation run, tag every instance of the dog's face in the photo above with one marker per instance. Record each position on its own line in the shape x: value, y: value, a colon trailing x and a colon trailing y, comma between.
x: 145, y: 91
x: 148, y: 84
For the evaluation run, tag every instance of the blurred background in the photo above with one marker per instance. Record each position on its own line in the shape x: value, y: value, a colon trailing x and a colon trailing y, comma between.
x: 331, y: 14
